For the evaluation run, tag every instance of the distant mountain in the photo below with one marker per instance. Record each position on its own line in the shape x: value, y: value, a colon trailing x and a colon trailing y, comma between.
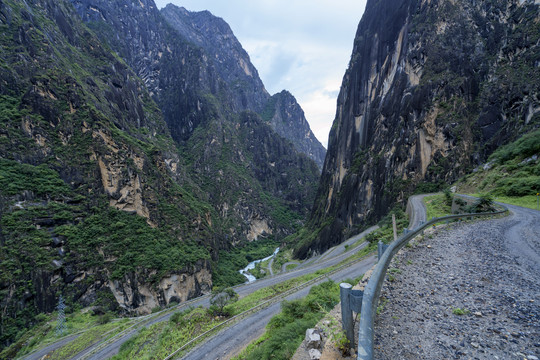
x: 231, y: 61
x: 432, y: 88
x: 234, y: 66
x: 286, y: 116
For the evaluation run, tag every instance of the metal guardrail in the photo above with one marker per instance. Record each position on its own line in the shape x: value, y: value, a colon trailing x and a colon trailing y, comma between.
x: 373, y: 289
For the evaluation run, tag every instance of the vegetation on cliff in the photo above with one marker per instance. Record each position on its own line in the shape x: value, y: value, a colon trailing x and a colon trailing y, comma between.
x: 108, y: 186
x: 511, y: 175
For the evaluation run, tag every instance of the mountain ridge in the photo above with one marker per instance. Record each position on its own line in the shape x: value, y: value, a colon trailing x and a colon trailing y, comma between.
x: 234, y: 65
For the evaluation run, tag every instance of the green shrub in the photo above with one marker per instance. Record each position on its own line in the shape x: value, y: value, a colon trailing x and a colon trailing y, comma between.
x: 459, y: 311
x: 105, y: 318
x: 448, y: 197
x: 286, y: 330
x: 484, y: 204
x: 220, y: 299
x: 526, y: 146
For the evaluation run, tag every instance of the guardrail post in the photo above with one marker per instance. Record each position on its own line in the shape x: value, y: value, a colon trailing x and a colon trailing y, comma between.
x: 351, y: 300
x: 381, y: 248
x: 346, y: 311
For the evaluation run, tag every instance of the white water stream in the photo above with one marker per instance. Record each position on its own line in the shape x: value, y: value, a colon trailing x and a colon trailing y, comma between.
x: 251, y: 266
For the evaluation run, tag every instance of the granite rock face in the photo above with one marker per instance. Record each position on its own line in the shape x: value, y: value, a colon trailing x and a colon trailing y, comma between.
x: 432, y: 88
x: 231, y: 61
x: 286, y: 116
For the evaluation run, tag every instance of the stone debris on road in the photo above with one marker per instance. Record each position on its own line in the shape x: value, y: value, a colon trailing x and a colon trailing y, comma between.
x: 468, y: 297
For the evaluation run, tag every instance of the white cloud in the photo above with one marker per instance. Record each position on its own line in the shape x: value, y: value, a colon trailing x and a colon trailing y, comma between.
x: 302, y: 46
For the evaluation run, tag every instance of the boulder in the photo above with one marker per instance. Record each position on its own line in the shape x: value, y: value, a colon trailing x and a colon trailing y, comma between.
x: 313, y: 339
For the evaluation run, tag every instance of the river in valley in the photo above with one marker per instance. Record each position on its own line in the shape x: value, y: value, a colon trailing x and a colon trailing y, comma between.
x: 251, y: 266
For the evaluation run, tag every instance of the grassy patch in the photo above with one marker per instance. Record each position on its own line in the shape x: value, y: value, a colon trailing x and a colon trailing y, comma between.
x: 159, y: 340
x: 291, y: 267
x: 437, y: 206
x: 529, y: 201
x: 459, y: 311
x: 512, y: 174
x: 89, y: 337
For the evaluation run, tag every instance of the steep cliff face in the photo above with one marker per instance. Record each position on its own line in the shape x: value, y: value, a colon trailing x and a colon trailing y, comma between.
x: 176, y: 73
x: 232, y: 62
x: 286, y: 116
x: 433, y: 87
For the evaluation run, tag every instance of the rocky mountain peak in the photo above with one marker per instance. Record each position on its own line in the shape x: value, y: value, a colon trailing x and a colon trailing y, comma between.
x: 233, y: 64
x: 286, y: 116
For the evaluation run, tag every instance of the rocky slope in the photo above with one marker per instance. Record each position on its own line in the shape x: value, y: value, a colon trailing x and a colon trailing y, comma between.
x: 94, y: 201
x: 433, y: 87
x: 125, y: 166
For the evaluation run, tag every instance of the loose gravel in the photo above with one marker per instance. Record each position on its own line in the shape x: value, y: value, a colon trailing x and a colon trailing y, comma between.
x: 464, y: 292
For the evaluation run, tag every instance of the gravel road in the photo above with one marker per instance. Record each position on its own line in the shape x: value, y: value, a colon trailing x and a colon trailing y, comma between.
x: 416, y: 209
x: 489, y: 270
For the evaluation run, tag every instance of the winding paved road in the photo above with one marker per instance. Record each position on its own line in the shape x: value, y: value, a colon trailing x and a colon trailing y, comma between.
x: 229, y: 342
x: 321, y: 262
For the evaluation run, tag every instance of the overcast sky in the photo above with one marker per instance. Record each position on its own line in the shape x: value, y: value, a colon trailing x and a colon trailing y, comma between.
x: 298, y: 45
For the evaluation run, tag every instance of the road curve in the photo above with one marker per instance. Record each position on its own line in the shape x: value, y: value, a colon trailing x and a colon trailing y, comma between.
x: 284, y: 266
x: 416, y: 209
x: 488, y: 268
x: 523, y: 237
